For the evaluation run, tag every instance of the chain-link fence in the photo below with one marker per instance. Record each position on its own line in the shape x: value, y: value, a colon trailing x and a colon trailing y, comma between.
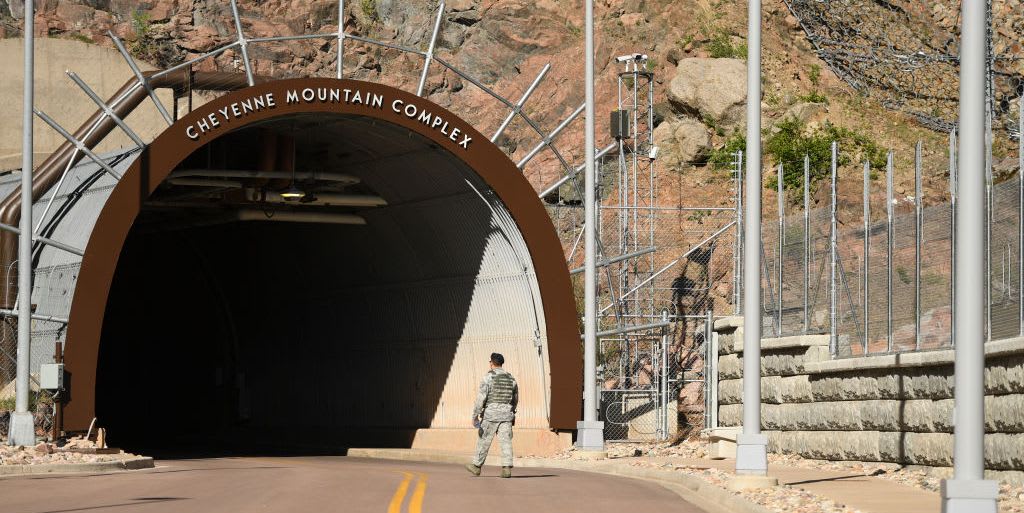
x: 51, y: 300
x: 888, y: 281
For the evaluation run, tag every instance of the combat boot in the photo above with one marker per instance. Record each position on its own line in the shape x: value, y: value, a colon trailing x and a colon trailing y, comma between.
x: 506, y: 471
x: 473, y: 469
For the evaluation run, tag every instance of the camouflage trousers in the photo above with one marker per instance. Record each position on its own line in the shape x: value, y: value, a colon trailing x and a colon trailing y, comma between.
x: 489, y: 428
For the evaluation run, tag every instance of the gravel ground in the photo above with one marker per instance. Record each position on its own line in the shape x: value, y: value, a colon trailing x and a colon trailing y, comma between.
x: 783, y: 499
x: 46, y: 453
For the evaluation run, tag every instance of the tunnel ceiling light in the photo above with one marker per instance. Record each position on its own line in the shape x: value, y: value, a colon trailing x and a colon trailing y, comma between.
x: 293, y: 193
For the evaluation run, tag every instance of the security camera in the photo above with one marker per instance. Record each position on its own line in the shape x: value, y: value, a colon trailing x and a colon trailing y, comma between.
x: 631, y: 57
x: 653, y: 154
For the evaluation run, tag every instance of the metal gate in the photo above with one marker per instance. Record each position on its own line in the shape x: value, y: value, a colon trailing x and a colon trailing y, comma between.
x: 652, y: 383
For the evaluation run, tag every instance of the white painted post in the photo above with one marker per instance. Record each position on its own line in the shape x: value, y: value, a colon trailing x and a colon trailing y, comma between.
x: 21, y: 430
x: 590, y: 431
x: 751, y: 444
x: 968, y: 491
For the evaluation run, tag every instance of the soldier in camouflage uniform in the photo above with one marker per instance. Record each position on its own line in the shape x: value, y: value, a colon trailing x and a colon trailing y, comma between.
x: 494, y: 413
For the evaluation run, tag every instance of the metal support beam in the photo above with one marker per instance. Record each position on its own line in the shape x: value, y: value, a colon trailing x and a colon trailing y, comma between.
x: 78, y: 144
x: 546, y: 141
x: 751, y: 445
x: 106, y: 108
x: 589, y: 431
x: 341, y: 39
x: 522, y: 101
x: 968, y: 491
x: 140, y: 77
x: 1020, y: 214
x: 21, y: 430
x: 429, y: 56
x: 45, y: 240
x: 608, y: 261
x: 243, y: 45
x: 570, y: 176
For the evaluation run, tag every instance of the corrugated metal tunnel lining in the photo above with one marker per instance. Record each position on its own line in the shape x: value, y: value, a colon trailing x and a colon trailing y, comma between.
x: 348, y: 333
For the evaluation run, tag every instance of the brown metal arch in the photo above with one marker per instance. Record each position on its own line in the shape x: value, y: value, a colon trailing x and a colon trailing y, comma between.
x: 173, y: 146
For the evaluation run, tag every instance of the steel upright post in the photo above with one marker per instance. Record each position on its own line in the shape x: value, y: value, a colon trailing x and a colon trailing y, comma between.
x: 1020, y: 215
x: 738, y: 287
x: 782, y: 247
x: 341, y: 38
x: 833, y: 287
x: 751, y: 444
x: 21, y: 430
x: 918, y: 225
x: 807, y: 238
x: 590, y: 431
x: 968, y: 491
x: 952, y: 236
x: 867, y: 255
x: 890, y: 233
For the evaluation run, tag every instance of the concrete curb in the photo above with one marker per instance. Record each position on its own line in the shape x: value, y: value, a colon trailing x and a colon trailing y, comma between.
x: 692, y: 489
x: 68, y: 468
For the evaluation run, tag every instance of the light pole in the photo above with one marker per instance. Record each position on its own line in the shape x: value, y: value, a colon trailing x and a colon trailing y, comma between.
x: 968, y: 491
x: 21, y: 430
x: 590, y: 431
x: 751, y: 445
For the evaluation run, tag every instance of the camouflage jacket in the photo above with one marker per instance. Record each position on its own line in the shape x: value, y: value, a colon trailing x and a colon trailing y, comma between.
x: 497, y: 397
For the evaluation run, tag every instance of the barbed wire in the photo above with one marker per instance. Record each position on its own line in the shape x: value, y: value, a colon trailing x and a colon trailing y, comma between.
x: 906, y: 55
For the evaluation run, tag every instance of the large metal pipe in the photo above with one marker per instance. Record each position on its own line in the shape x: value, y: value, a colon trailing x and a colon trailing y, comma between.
x: 298, y: 217
x: 968, y: 491
x: 94, y: 130
x: 319, y: 199
x: 276, y: 175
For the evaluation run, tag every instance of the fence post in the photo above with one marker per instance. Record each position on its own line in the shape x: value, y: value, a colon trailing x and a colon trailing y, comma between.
x: 918, y: 203
x: 952, y: 236
x: 867, y: 253
x: 782, y: 248
x: 807, y: 235
x: 888, y: 250
x: 663, y: 389
x: 833, y: 229
x: 738, y: 257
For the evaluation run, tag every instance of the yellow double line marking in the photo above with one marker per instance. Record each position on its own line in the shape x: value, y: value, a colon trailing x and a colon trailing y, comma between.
x: 416, y: 501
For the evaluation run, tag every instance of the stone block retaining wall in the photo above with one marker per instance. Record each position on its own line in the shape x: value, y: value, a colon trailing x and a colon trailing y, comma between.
x: 890, y: 408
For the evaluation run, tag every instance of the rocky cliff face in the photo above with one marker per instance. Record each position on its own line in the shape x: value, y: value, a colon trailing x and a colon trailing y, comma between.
x: 504, y: 43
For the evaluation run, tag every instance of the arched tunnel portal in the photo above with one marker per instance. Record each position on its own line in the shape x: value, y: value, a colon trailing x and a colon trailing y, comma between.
x: 211, y: 307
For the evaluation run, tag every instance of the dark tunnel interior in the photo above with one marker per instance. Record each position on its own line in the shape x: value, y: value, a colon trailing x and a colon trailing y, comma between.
x: 242, y: 321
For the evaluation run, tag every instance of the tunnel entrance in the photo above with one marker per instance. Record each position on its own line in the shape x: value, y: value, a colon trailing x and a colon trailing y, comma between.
x: 333, y: 320
x: 319, y: 276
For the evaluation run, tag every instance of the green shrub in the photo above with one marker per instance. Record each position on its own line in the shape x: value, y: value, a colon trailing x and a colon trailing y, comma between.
x: 790, y: 141
x: 814, y: 97
x: 814, y: 74
x: 720, y: 47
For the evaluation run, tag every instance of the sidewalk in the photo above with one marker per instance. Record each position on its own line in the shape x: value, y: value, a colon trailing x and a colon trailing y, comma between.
x: 865, y: 493
x: 700, y: 481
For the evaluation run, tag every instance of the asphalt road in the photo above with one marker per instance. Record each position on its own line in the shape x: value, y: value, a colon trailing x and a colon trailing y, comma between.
x: 332, y: 484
